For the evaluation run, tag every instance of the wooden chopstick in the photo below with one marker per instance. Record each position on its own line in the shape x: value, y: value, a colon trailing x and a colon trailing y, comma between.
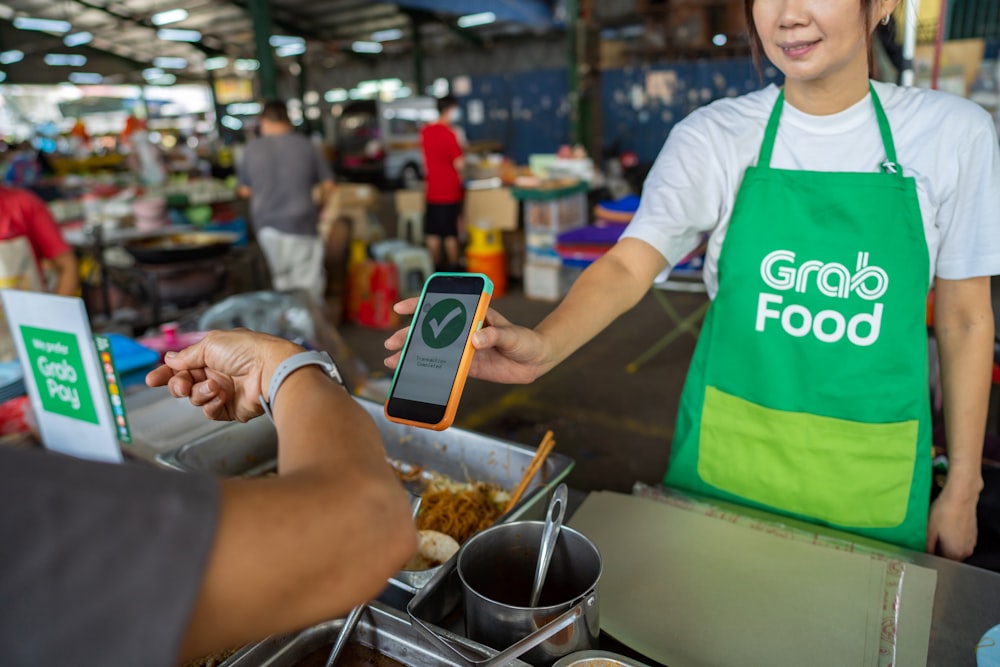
x: 548, y: 442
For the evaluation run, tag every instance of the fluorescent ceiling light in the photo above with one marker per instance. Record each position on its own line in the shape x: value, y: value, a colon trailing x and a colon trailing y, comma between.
x: 366, y: 47
x: 3, y: 76
x: 85, y: 78
x: 720, y: 40
x: 152, y: 73
x: 78, y: 39
x: 246, y: 64
x: 169, y: 62
x: 164, y: 80
x: 243, y: 109
x: 403, y: 92
x: 290, y: 50
x: 387, y: 35
x: 472, y: 20
x: 44, y: 25
x: 174, y: 35
x: 232, y: 123
x: 11, y: 57
x: 169, y: 16
x: 6, y: 13
x: 335, y: 95
x: 65, y: 60
x: 285, y: 40
x: 217, y: 62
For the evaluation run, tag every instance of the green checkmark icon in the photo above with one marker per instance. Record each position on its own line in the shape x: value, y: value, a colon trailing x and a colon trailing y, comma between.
x: 444, y: 323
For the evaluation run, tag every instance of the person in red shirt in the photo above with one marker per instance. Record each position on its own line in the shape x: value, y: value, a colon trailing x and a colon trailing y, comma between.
x: 443, y: 161
x: 29, y: 236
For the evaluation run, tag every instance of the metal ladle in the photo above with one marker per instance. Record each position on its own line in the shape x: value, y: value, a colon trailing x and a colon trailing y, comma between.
x: 352, y: 619
x: 550, y: 535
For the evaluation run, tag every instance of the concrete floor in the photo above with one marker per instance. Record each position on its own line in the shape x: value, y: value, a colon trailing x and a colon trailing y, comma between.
x: 616, y: 425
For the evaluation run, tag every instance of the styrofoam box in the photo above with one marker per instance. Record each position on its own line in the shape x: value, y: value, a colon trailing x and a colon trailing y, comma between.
x: 548, y: 280
x: 557, y: 215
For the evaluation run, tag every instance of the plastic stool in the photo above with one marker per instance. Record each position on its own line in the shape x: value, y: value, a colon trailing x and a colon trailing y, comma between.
x: 414, y: 266
x: 410, y: 226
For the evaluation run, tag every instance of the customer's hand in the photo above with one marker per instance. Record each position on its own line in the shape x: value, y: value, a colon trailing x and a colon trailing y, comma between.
x: 505, y: 352
x: 225, y: 373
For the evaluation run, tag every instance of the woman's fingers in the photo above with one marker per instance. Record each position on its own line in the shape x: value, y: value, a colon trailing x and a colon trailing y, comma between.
x: 406, y: 306
x: 396, y: 340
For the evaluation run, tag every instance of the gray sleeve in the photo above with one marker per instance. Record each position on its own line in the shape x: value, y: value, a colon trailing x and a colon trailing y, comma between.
x: 101, y: 564
x: 242, y: 177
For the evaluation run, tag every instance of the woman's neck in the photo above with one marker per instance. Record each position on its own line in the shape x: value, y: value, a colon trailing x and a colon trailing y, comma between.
x: 831, y: 94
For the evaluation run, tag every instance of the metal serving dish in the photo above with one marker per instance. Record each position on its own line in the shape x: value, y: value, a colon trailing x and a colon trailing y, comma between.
x: 243, y: 450
x: 381, y: 628
x: 597, y: 659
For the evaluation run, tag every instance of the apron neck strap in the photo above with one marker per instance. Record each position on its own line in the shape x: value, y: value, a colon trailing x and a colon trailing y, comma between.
x: 890, y: 166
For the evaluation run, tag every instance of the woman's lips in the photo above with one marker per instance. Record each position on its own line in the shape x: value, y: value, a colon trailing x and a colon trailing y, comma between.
x: 798, y: 49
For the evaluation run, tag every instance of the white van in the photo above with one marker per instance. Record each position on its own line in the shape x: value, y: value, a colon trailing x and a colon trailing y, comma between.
x: 380, y: 141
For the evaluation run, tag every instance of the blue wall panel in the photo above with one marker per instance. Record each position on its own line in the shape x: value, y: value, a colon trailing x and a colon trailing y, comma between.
x: 528, y: 112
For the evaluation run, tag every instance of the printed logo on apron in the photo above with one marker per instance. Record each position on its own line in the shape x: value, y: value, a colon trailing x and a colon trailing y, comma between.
x: 833, y: 280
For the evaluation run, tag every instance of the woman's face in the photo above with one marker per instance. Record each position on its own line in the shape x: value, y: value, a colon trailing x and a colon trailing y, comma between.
x: 814, y: 40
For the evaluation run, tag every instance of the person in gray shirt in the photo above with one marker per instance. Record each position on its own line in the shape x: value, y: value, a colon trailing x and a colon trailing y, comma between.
x: 105, y: 564
x: 278, y: 173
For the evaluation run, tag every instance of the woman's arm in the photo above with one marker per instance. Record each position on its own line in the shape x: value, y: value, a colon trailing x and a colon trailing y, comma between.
x: 963, y: 317
x: 513, y: 354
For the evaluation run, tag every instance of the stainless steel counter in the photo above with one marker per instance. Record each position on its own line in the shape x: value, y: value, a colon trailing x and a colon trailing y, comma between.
x: 966, y: 601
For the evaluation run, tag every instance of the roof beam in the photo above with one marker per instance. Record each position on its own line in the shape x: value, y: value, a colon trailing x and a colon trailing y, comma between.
x: 209, y: 51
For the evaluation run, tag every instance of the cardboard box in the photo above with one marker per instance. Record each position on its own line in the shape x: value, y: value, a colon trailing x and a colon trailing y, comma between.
x: 409, y: 201
x: 491, y: 209
x: 355, y: 194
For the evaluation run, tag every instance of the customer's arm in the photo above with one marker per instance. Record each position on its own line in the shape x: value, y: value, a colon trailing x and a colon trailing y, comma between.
x: 317, y: 540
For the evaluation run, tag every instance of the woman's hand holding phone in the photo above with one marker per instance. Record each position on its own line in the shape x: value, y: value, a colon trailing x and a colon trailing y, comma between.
x: 505, y: 353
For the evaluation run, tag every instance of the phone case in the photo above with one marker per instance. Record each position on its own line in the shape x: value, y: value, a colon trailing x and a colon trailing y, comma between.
x: 455, y: 396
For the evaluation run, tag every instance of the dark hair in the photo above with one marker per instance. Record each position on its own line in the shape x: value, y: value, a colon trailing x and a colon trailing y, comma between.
x: 275, y: 111
x: 447, y: 102
x: 757, y: 48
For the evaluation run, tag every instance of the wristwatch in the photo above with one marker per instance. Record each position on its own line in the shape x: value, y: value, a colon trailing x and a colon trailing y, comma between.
x: 292, y: 364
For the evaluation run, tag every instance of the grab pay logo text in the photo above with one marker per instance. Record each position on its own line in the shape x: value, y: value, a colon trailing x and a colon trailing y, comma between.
x: 781, y: 272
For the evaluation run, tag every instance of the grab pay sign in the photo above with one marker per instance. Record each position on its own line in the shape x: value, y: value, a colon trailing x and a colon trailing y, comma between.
x: 63, y: 374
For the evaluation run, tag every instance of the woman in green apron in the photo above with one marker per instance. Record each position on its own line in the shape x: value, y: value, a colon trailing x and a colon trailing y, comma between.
x: 830, y: 205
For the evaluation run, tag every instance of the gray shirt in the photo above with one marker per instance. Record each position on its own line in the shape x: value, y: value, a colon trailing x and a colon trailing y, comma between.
x: 280, y: 171
x: 99, y: 564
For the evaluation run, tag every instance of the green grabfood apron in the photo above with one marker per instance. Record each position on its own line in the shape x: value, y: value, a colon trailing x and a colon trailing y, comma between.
x: 808, y: 391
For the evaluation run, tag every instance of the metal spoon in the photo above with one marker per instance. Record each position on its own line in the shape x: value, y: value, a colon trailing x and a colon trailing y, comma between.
x: 352, y: 619
x: 550, y: 535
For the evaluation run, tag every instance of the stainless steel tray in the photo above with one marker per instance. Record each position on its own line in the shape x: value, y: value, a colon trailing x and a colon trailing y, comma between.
x: 250, y: 449
x: 381, y: 628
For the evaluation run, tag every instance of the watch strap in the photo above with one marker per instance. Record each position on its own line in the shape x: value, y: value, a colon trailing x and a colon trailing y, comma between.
x: 292, y: 364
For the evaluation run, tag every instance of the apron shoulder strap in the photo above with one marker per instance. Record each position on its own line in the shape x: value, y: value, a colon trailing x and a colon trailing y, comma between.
x: 890, y: 166
x: 767, y: 146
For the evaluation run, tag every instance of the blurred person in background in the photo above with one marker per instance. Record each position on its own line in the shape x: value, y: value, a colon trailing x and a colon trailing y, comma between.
x: 443, y: 163
x: 278, y: 173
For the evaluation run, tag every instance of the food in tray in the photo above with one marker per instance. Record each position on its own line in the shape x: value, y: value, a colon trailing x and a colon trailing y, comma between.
x: 457, y: 509
x: 433, y: 549
x: 213, y: 660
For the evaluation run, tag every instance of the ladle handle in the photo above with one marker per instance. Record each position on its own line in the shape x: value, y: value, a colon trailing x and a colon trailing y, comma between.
x: 550, y: 534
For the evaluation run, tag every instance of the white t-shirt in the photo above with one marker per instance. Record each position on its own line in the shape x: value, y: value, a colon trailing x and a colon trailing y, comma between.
x: 947, y: 143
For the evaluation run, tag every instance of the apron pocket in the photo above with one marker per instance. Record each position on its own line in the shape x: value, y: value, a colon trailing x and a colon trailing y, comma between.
x: 848, y: 473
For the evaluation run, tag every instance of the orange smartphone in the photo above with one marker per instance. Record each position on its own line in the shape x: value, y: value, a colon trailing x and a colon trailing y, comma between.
x: 435, y: 360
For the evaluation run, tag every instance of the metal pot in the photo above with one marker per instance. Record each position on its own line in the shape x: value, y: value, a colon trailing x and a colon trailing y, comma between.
x: 497, y: 567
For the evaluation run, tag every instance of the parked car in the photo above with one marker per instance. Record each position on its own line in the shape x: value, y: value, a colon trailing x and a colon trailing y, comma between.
x: 380, y: 141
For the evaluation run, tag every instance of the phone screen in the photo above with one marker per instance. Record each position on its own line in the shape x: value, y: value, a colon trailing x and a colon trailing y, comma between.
x: 437, y: 340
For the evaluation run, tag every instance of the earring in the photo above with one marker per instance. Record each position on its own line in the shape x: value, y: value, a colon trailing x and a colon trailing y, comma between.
x: 885, y: 19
